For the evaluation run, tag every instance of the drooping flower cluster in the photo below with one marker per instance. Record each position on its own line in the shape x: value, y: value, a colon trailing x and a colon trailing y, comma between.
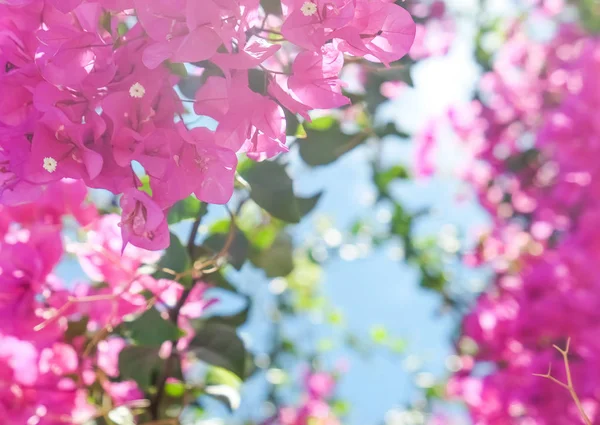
x: 535, y: 138
x: 46, y: 368
x: 88, y: 91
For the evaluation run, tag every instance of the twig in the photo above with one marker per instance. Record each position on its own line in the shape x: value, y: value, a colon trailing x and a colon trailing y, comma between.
x: 202, y: 269
x: 569, y: 385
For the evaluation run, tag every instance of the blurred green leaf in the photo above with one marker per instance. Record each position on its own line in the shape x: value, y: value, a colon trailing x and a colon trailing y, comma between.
x: 272, y: 190
x: 264, y: 236
x: 390, y: 129
x: 234, y: 320
x: 219, y: 376
x: 76, y: 328
x: 175, y: 389
x: 326, y: 143
x: 278, y: 259
x: 105, y: 21
x: 272, y: 7
x: 177, y: 69
x: 219, y: 345
x: 141, y: 364
x: 257, y: 81
x: 238, y: 249
x: 401, y: 226
x: 589, y: 10
x: 146, y: 185
x: 321, y: 123
x: 340, y: 407
x: 383, y: 179
x: 217, y: 280
x: 175, y: 259
x: 122, y: 29
x: 150, y: 329
x: 437, y: 392
x: 292, y: 123
x: 300, y: 132
x: 306, y: 205
x: 188, y: 208
x: 398, y: 71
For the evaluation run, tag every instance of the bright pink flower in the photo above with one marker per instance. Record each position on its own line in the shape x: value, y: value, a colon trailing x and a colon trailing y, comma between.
x: 143, y: 222
x: 315, y: 79
x: 61, y: 148
x: 200, y: 167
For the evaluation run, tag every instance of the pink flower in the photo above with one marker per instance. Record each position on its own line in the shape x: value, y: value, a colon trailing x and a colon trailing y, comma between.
x: 143, y: 222
x: 61, y: 149
x: 315, y: 80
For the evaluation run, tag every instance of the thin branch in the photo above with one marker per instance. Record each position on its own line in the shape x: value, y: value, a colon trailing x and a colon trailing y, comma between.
x: 202, y: 269
x: 569, y: 385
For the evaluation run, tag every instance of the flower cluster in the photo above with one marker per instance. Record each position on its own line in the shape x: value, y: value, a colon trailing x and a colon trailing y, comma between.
x: 46, y: 367
x: 88, y: 91
x: 534, y: 138
x: 314, y: 405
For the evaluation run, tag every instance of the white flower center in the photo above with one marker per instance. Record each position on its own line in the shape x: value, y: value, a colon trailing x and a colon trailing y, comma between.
x: 50, y: 164
x: 137, y: 90
x: 309, y: 8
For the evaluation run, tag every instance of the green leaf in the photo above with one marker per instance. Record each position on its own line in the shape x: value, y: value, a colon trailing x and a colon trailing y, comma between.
x: 188, y: 208
x: 105, y: 21
x: 219, y: 345
x: 264, y: 236
x: 219, y: 376
x: 175, y: 260
x: 300, y: 132
x: 175, y: 389
x: 76, y: 328
x: 238, y: 250
x: 390, y: 129
x: 219, y: 281
x: 272, y: 190
x: 257, y: 81
x: 324, y: 144
x: 292, y: 123
x: 589, y: 10
x: 306, y: 205
x: 122, y: 29
x: 177, y: 69
x: 277, y: 260
x: 141, y: 364
x: 321, y: 123
x: 340, y: 408
x: 384, y: 178
x: 235, y: 320
x: 150, y: 329
x: 272, y: 7
x: 146, y: 185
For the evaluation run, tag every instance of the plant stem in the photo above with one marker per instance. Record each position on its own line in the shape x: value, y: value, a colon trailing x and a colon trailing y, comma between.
x: 174, y: 317
x: 176, y: 310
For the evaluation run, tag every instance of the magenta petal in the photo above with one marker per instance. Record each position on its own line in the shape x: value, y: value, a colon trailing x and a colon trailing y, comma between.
x: 198, y: 45
x: 157, y: 53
